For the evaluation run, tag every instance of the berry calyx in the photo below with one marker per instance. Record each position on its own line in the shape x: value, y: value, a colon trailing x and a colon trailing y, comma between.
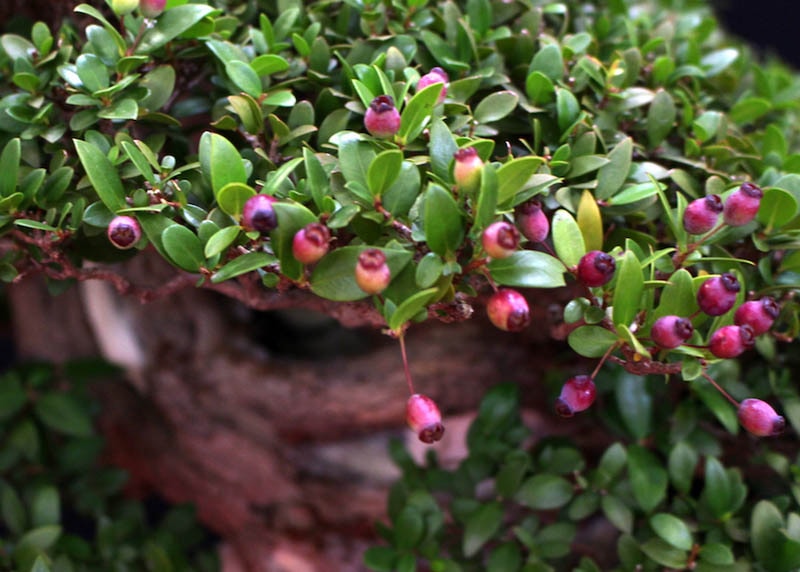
x: 424, y: 418
x: 310, y: 243
x: 596, y: 268
x: 742, y: 205
x: 500, y: 239
x: 758, y: 314
x: 532, y: 222
x: 508, y: 310
x: 372, y: 272
x: 701, y: 214
x: 124, y: 231
x: 467, y: 169
x: 669, y: 332
x: 731, y: 341
x: 436, y: 75
x: 382, y: 119
x: 577, y: 394
x: 151, y: 8
x: 717, y: 295
x: 258, y: 214
x: 760, y: 419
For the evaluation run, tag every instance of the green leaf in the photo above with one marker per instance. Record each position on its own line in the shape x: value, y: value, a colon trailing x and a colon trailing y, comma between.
x: 567, y: 108
x: 380, y: 558
x: 242, y: 265
x: 244, y: 77
x: 139, y: 161
x: 515, y: 176
x: 719, y: 406
x: 102, y: 175
x: 771, y: 547
x: 416, y: 114
x: 777, y: 208
x: 660, y: 118
x: 590, y: 221
x: 634, y: 193
x: 12, y: 397
x: 441, y: 148
x: 160, y: 84
x: 528, y: 269
x: 383, y: 170
x: 121, y: 109
x: 409, y: 528
x: 678, y: 296
x: 249, y: 111
x: 714, y: 63
x: 648, y: 477
x: 355, y: 157
x: 268, y: 64
x: 673, y: 530
x: 545, y: 492
x: 681, y: 465
x: 9, y: 167
x: 539, y: 88
x: 549, y: 62
x: 636, y: 403
x: 220, y: 161
x: 481, y: 526
x: 92, y: 72
x: 716, y: 553
x: 183, y: 247
x: 717, y: 493
x: 221, y: 240
x: 232, y: 197
x: 627, y: 299
x: 613, y: 174
x: 484, y: 212
x: 444, y: 225
x: 664, y: 554
x: 567, y: 238
x: 495, y: 106
x: 410, y: 307
x: 591, y: 341
x: 63, y: 413
x: 747, y: 110
x: 586, y: 164
x: 45, y: 506
x: 277, y: 177
x: 13, y: 511
x: 333, y: 277
x: 171, y: 24
x: 291, y: 218
x: 617, y: 512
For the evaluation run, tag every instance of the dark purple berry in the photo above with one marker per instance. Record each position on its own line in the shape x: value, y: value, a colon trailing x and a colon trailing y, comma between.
x: 717, y: 295
x: 310, y: 243
x: 532, y: 222
x: 467, y: 169
x: 124, y: 231
x: 372, y: 272
x: 508, y: 310
x: 436, y: 75
x: 731, y: 341
x: 258, y: 214
x: 500, y: 239
x: 669, y: 332
x: 701, y: 215
x: 577, y: 394
x: 760, y: 419
x: 596, y: 268
x: 742, y: 204
x: 758, y: 314
x: 382, y: 119
x: 424, y: 418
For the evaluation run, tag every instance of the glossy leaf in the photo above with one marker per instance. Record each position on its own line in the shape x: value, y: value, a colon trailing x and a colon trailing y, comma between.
x: 172, y: 24
x: 544, y: 492
x: 232, y: 197
x: 617, y: 512
x: 418, y: 111
x: 102, y: 175
x: 627, y: 300
x: 481, y: 526
x: 611, y: 176
x: 660, y: 118
x: 9, y: 167
x: 672, y: 530
x: 648, y: 477
x: 444, y: 226
x: 183, y: 247
x: 495, y: 106
x: 242, y: 265
x: 220, y: 161
x: 63, y: 413
x: 681, y: 465
x: 515, y: 176
x: 528, y: 269
x: 221, y: 240
x: 567, y: 238
x: 590, y: 221
x: 410, y: 307
x: 591, y: 341
x: 333, y: 277
x: 244, y: 77
x: 383, y: 170
x: 778, y: 207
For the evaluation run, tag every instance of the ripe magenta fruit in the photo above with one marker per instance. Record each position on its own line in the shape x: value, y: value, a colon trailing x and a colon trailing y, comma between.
x: 436, y: 75
x: 310, y: 243
x: 372, y: 272
x: 742, y: 204
x: 424, y: 418
x: 717, y: 295
x: 124, y: 231
x: 759, y: 418
x: 532, y: 222
x: 500, y: 239
x: 758, y: 314
x: 701, y: 214
x: 669, y: 332
x: 467, y: 169
x: 731, y: 341
x: 151, y: 8
x: 577, y: 394
x: 258, y: 214
x: 596, y: 268
x: 508, y: 310
x: 382, y: 119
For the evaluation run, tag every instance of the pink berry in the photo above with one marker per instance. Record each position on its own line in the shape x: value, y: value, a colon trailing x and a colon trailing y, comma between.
x: 382, y: 119
x: 124, y: 231
x: 508, y: 310
x: 532, y: 222
x: 742, y: 205
x: 500, y: 239
x: 424, y: 418
x: 731, y: 341
x: 258, y: 214
x: 467, y: 169
x: 760, y: 419
x: 151, y: 8
x: 577, y: 394
x: 310, y: 243
x: 717, y: 295
x: 436, y: 75
x: 701, y: 215
x: 758, y: 314
x: 372, y: 272
x: 596, y: 268
x: 669, y: 332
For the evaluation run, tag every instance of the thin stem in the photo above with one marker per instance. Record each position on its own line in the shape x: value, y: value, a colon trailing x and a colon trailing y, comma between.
x: 603, y: 359
x: 407, y: 371
x: 722, y: 391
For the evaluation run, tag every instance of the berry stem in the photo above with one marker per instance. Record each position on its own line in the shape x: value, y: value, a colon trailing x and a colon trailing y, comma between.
x: 722, y: 391
x: 603, y: 359
x: 409, y: 381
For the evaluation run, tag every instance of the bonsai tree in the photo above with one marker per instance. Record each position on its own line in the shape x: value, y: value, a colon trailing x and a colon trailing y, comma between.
x: 613, y: 185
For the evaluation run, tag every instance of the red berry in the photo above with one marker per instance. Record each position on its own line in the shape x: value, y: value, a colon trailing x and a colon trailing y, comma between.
x: 596, y: 268
x: 258, y: 214
x: 742, y: 205
x: 467, y: 169
x: 758, y: 314
x: 577, y: 394
x: 124, y: 231
x: 310, y: 243
x: 717, y: 295
x: 151, y: 8
x: 671, y: 331
x: 508, y: 310
x: 731, y: 341
x: 760, y: 419
x: 424, y: 418
x: 382, y: 119
x: 436, y: 75
x: 500, y: 239
x: 372, y: 272
x: 532, y: 222
x: 701, y: 215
